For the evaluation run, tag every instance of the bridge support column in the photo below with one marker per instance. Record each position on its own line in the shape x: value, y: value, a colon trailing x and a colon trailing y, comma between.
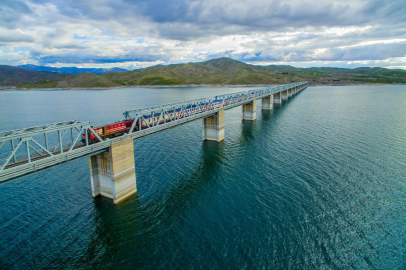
x: 267, y: 103
x: 277, y: 98
x: 213, y: 127
x: 249, y: 111
x: 112, y: 173
x: 284, y: 95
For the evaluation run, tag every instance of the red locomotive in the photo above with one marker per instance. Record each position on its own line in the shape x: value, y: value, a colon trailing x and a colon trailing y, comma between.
x: 109, y: 131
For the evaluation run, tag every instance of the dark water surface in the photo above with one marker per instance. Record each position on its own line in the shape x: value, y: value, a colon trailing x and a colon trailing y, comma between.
x: 317, y: 183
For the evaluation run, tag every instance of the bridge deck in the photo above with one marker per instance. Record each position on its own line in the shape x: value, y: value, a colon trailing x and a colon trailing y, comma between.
x: 31, y: 163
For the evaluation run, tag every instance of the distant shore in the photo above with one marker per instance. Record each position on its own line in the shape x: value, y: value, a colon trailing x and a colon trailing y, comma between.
x: 16, y: 88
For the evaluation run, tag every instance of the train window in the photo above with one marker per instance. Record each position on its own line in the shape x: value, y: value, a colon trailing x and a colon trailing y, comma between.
x: 128, y: 125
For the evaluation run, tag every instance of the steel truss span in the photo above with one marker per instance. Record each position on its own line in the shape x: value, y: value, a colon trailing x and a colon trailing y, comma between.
x: 30, y: 149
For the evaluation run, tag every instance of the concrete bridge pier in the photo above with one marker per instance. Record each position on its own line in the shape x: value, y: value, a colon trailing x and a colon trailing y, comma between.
x: 112, y: 173
x: 277, y: 98
x: 249, y: 111
x: 284, y: 95
x: 267, y: 103
x: 213, y: 127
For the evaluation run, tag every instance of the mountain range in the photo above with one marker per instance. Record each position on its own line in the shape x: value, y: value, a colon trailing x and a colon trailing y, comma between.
x: 73, y: 70
x: 222, y: 71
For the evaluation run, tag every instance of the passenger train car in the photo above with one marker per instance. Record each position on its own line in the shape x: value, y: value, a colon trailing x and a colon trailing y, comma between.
x: 120, y: 128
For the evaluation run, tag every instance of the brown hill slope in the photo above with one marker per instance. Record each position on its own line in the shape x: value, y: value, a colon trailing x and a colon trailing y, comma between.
x: 14, y: 76
x: 218, y: 71
x: 85, y: 80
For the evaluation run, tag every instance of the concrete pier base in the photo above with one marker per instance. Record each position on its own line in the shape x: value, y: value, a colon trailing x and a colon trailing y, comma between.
x: 112, y: 173
x: 267, y: 103
x: 249, y: 111
x: 213, y: 127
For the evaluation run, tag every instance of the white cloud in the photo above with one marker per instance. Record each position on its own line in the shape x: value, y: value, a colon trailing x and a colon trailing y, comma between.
x: 138, y: 34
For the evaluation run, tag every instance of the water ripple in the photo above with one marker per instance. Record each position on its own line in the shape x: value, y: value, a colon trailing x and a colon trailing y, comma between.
x: 317, y: 183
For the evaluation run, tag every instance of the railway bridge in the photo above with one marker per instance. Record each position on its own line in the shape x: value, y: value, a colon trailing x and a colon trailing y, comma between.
x: 110, y: 147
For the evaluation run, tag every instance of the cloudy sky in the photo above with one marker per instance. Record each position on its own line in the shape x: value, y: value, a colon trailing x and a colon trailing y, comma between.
x: 134, y: 34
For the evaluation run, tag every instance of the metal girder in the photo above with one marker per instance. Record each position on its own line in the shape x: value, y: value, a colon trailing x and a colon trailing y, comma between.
x: 127, y: 114
x: 36, y: 149
x: 32, y: 131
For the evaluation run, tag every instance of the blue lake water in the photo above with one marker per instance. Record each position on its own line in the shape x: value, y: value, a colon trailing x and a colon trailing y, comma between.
x: 317, y: 183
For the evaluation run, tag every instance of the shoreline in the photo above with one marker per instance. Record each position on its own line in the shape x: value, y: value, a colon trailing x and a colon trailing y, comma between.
x: 16, y: 88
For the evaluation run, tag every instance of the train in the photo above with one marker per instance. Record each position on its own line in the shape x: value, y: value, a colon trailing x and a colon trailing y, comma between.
x: 120, y: 128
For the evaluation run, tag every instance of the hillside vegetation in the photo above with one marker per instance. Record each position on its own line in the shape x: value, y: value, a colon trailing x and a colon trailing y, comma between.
x: 225, y: 71
x: 13, y: 76
x: 221, y: 71
x: 85, y: 80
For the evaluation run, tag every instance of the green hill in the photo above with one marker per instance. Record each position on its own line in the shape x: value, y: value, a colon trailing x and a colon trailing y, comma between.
x: 225, y: 71
x: 216, y: 72
x: 14, y: 76
x: 85, y: 80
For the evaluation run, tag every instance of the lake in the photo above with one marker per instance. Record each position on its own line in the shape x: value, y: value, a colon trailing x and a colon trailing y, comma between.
x: 317, y: 183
